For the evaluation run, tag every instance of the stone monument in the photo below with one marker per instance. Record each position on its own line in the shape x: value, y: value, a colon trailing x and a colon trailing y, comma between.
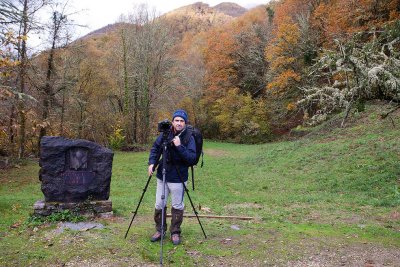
x: 75, y: 175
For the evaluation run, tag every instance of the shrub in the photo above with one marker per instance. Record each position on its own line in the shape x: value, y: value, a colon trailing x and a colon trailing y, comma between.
x: 117, y: 140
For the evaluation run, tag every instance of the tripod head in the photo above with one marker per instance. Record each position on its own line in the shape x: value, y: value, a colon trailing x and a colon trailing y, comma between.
x: 164, y: 127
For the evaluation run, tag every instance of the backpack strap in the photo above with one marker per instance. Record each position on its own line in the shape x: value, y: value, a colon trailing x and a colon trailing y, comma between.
x: 192, y: 177
x: 188, y: 134
x: 202, y: 159
x: 186, y: 140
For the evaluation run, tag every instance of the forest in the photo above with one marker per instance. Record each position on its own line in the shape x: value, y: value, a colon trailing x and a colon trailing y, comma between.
x: 245, y: 79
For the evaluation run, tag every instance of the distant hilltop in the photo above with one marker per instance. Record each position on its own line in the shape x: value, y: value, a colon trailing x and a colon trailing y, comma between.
x: 230, y: 9
x: 199, y: 13
x: 200, y: 8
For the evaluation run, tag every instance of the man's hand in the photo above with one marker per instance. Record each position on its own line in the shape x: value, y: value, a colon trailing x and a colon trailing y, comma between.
x: 177, y: 141
x: 151, y: 169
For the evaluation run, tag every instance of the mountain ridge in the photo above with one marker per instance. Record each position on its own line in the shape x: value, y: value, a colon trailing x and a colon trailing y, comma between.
x: 197, y: 13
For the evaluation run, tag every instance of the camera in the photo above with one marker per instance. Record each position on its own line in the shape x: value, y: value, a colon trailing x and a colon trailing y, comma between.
x: 164, y: 126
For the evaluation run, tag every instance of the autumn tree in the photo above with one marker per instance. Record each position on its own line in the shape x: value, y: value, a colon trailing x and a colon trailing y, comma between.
x: 242, y: 118
x: 340, y: 19
x: 220, y: 76
x: 189, y: 82
x: 234, y: 62
x: 291, y: 50
x: 8, y: 64
x: 250, y: 64
x: 292, y: 47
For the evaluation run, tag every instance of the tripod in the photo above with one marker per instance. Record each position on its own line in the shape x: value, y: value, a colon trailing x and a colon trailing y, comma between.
x: 164, y: 172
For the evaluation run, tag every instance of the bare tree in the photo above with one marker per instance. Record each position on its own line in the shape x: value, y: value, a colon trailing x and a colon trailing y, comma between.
x: 21, y: 16
x: 59, y: 38
x: 148, y: 67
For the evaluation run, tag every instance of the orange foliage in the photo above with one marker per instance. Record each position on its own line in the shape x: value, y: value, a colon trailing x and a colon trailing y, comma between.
x: 284, y: 80
x: 191, y: 43
x: 281, y: 54
x: 279, y: 51
x: 287, y: 10
x: 220, y: 52
x: 219, y: 62
x: 7, y: 61
x: 291, y: 106
x: 255, y: 16
x: 284, y: 51
x: 338, y: 18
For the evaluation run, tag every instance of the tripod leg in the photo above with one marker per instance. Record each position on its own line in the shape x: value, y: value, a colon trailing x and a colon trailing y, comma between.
x: 194, y: 209
x: 140, y: 201
x: 190, y: 199
x: 163, y: 200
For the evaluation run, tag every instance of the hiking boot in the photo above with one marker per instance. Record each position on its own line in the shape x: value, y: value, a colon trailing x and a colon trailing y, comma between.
x: 156, y: 236
x: 176, y: 221
x: 157, y: 219
x: 176, y: 239
x: 175, y: 229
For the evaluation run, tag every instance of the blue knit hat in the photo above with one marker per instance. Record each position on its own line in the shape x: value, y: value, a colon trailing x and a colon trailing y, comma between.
x: 180, y: 113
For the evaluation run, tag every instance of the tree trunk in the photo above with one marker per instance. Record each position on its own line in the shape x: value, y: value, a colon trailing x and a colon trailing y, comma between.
x: 62, y: 114
x: 135, y: 116
x: 22, y: 76
x: 48, y: 90
x: 47, y: 94
x: 126, y: 107
x: 11, y: 132
x: 125, y: 67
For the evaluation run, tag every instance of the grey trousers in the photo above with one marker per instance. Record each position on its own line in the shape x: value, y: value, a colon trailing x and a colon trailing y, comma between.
x: 175, y: 189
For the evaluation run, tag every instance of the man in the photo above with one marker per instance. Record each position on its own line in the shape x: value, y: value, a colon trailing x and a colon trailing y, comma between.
x: 179, y: 157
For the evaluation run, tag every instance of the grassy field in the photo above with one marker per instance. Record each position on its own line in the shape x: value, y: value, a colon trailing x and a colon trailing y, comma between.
x: 331, y: 198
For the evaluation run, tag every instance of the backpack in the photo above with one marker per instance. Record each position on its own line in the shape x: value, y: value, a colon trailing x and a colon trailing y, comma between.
x: 198, y: 139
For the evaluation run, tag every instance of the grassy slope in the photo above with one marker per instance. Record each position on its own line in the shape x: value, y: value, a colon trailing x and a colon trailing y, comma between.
x: 335, y: 190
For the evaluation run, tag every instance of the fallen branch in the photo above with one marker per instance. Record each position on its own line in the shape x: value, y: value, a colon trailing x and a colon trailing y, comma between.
x: 216, y: 217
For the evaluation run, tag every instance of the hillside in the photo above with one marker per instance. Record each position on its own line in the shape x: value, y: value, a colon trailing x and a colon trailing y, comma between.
x: 203, y: 9
x: 108, y: 29
x: 197, y: 16
x: 230, y: 9
x: 201, y: 17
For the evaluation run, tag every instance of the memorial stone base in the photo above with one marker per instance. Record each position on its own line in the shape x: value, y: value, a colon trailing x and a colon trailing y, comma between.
x: 96, y: 208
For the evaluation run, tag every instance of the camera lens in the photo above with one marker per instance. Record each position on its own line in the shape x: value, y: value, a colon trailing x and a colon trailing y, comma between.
x: 164, y: 126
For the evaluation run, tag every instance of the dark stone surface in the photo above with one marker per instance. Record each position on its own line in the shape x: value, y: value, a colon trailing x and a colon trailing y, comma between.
x: 74, y: 170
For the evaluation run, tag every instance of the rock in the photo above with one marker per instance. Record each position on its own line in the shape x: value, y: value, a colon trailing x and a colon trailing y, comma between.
x: 81, y: 226
x: 235, y: 227
x: 74, y: 170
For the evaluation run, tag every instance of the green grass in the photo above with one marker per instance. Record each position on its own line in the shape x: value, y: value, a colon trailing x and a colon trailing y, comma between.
x: 333, y: 187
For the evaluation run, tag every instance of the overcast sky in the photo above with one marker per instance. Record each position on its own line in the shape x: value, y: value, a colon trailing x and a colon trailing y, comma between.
x: 97, y: 13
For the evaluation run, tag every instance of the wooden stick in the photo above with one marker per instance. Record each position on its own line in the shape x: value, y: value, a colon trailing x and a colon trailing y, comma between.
x: 216, y: 216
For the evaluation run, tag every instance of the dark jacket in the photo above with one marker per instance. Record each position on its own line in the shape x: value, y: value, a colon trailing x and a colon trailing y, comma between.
x: 182, y: 157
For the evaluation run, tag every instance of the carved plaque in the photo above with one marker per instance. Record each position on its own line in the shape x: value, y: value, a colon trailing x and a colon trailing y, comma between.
x: 77, y: 178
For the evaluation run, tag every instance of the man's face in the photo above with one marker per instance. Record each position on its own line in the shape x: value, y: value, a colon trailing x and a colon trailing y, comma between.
x: 178, y: 123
